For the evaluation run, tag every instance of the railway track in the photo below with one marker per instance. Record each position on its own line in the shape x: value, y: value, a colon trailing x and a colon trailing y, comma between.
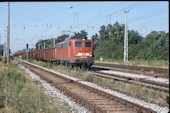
x: 150, y: 84
x: 95, y: 100
x: 157, y: 72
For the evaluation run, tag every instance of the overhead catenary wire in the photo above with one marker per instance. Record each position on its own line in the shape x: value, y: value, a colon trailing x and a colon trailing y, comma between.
x: 119, y: 15
x: 161, y: 11
x: 38, y: 14
x: 113, y: 13
x: 52, y: 14
x: 65, y: 18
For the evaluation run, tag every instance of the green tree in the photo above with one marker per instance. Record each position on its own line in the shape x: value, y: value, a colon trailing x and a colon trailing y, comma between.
x: 155, y: 46
x: 81, y: 35
x: 1, y: 49
x: 61, y: 38
x: 102, y: 33
x: 95, y: 38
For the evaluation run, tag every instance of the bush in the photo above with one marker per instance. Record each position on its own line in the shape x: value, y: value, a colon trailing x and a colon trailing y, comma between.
x: 30, y: 60
x: 90, y: 78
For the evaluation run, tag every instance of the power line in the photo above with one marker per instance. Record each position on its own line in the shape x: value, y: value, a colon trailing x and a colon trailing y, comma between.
x: 66, y: 16
x: 113, y: 13
x: 52, y: 14
x: 138, y: 17
x: 149, y: 25
x: 119, y: 12
x: 40, y: 13
x: 148, y: 15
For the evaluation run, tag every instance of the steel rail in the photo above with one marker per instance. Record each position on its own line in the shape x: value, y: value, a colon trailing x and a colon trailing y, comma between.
x: 137, y: 68
x: 132, y: 81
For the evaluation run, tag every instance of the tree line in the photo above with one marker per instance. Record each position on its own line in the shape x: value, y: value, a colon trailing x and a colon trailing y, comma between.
x: 110, y: 44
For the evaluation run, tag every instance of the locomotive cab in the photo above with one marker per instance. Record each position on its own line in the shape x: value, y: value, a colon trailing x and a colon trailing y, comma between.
x: 83, y: 52
x: 75, y: 52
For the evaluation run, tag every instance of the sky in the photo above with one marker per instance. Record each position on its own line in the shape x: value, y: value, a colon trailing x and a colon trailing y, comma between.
x: 32, y: 21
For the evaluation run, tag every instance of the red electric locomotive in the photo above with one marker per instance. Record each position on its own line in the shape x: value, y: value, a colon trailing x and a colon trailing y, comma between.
x: 75, y: 52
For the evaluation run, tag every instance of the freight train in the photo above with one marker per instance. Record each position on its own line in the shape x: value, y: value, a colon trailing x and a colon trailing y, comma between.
x: 74, y: 52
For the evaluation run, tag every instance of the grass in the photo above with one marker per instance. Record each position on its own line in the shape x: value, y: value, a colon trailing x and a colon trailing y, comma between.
x: 147, y: 63
x: 30, y: 60
x: 19, y: 94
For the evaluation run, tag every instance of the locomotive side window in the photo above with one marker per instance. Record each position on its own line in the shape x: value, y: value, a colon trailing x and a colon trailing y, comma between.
x: 78, y: 44
x: 88, y: 44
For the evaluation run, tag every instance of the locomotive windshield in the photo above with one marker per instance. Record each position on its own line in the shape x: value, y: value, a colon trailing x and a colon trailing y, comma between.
x: 88, y: 44
x: 78, y: 44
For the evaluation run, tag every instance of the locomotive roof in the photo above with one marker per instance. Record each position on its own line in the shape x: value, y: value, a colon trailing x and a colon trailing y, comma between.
x: 72, y: 40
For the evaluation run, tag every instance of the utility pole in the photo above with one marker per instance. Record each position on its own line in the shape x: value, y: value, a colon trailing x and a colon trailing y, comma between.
x: 8, y: 34
x: 4, y: 50
x: 126, y: 39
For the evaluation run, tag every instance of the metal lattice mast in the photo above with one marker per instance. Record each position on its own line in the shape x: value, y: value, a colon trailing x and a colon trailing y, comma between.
x: 126, y: 39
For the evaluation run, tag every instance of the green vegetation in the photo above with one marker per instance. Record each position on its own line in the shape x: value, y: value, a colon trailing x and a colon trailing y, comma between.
x: 88, y: 76
x: 110, y: 41
x: 20, y: 95
x: 30, y: 60
x: 167, y: 99
x: 139, y: 62
x: 47, y: 65
x: 1, y: 50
